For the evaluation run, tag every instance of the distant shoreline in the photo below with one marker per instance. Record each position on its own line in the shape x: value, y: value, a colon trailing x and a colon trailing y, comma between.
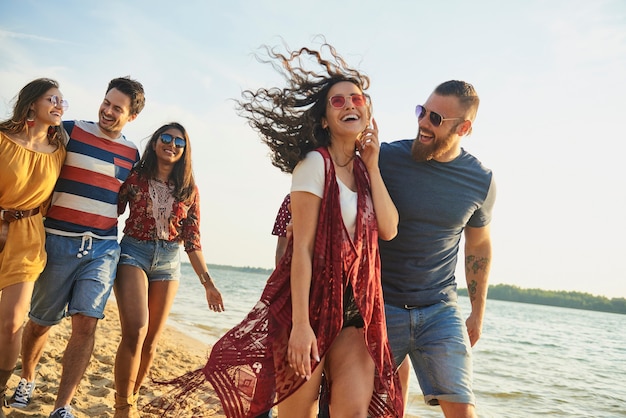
x: 560, y: 298
x: 246, y: 269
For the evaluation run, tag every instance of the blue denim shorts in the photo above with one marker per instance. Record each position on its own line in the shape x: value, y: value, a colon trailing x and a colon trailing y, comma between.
x: 77, y: 279
x: 160, y: 260
x: 435, y: 338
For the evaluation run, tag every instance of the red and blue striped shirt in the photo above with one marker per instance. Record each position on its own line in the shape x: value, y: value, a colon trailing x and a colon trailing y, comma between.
x: 85, y: 196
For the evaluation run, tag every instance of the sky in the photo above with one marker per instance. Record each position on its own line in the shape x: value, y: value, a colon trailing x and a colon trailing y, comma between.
x: 551, y: 76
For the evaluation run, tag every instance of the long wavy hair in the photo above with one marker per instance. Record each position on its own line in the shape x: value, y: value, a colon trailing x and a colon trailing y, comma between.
x: 182, y: 174
x: 289, y: 119
x: 28, y: 95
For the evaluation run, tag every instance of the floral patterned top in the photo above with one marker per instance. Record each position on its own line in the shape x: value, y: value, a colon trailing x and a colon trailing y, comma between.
x: 156, y: 215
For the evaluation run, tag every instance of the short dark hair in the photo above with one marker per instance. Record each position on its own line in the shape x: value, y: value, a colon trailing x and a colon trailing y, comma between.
x: 131, y: 88
x: 466, y: 94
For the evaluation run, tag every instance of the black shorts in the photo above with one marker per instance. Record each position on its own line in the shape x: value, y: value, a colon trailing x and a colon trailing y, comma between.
x: 351, y: 315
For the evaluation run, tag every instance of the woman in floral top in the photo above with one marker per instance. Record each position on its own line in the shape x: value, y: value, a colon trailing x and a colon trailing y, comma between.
x: 164, y: 212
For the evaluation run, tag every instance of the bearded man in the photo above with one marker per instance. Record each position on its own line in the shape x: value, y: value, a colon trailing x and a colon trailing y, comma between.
x: 441, y: 192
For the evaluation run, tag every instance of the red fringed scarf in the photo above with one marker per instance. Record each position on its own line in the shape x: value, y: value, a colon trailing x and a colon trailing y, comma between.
x: 248, y: 366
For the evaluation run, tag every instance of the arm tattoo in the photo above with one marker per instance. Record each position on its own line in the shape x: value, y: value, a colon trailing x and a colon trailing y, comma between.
x: 474, y: 264
x: 471, y: 289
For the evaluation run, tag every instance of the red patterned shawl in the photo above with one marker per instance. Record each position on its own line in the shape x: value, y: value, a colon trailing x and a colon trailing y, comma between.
x: 248, y: 366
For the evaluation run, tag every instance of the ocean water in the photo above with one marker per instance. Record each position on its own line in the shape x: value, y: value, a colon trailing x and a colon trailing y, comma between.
x: 531, y: 360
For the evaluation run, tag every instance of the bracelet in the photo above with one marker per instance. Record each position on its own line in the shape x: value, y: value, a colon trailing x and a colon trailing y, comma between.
x: 202, y: 279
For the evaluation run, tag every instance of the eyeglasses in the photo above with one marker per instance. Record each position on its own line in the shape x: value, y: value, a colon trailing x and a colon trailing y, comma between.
x: 57, y: 102
x: 338, y: 101
x: 178, y: 141
x: 435, y: 118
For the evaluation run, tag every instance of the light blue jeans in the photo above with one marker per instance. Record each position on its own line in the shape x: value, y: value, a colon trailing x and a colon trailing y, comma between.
x: 435, y: 338
x: 78, y: 278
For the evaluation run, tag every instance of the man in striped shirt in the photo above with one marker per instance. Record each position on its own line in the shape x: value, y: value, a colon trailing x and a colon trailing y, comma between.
x: 81, y: 241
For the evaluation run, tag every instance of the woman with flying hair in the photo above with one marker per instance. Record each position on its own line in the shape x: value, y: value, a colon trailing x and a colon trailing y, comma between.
x: 164, y: 213
x: 32, y: 151
x: 322, y: 308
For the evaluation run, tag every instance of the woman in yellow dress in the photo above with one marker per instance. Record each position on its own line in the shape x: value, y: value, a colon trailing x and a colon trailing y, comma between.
x: 32, y: 151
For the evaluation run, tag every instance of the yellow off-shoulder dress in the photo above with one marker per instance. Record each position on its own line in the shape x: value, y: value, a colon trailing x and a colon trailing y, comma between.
x: 27, y: 179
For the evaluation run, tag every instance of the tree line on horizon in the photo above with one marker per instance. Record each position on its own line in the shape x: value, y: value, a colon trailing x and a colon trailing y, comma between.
x: 511, y: 293
x: 560, y: 298
x: 245, y: 269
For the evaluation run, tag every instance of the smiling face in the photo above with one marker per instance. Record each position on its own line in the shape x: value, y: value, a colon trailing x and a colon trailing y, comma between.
x: 351, y: 118
x: 168, y: 153
x: 45, y: 111
x: 114, y: 113
x: 441, y: 143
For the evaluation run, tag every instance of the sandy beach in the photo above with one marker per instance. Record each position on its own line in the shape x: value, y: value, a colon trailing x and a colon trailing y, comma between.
x: 177, y: 354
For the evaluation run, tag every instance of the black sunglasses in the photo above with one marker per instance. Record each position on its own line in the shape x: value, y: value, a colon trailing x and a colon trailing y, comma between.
x: 178, y: 141
x: 435, y: 118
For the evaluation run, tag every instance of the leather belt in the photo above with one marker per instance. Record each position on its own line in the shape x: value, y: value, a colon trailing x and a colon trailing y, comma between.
x: 9, y: 215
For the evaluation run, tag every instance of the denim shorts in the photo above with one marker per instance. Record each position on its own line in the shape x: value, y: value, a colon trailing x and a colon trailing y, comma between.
x: 435, y: 338
x: 77, y: 279
x: 160, y: 260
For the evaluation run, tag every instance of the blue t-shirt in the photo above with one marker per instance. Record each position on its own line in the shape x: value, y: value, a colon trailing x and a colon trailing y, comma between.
x: 435, y: 202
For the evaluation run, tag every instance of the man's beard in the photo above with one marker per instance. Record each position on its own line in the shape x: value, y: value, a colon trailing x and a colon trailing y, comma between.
x: 438, y: 147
